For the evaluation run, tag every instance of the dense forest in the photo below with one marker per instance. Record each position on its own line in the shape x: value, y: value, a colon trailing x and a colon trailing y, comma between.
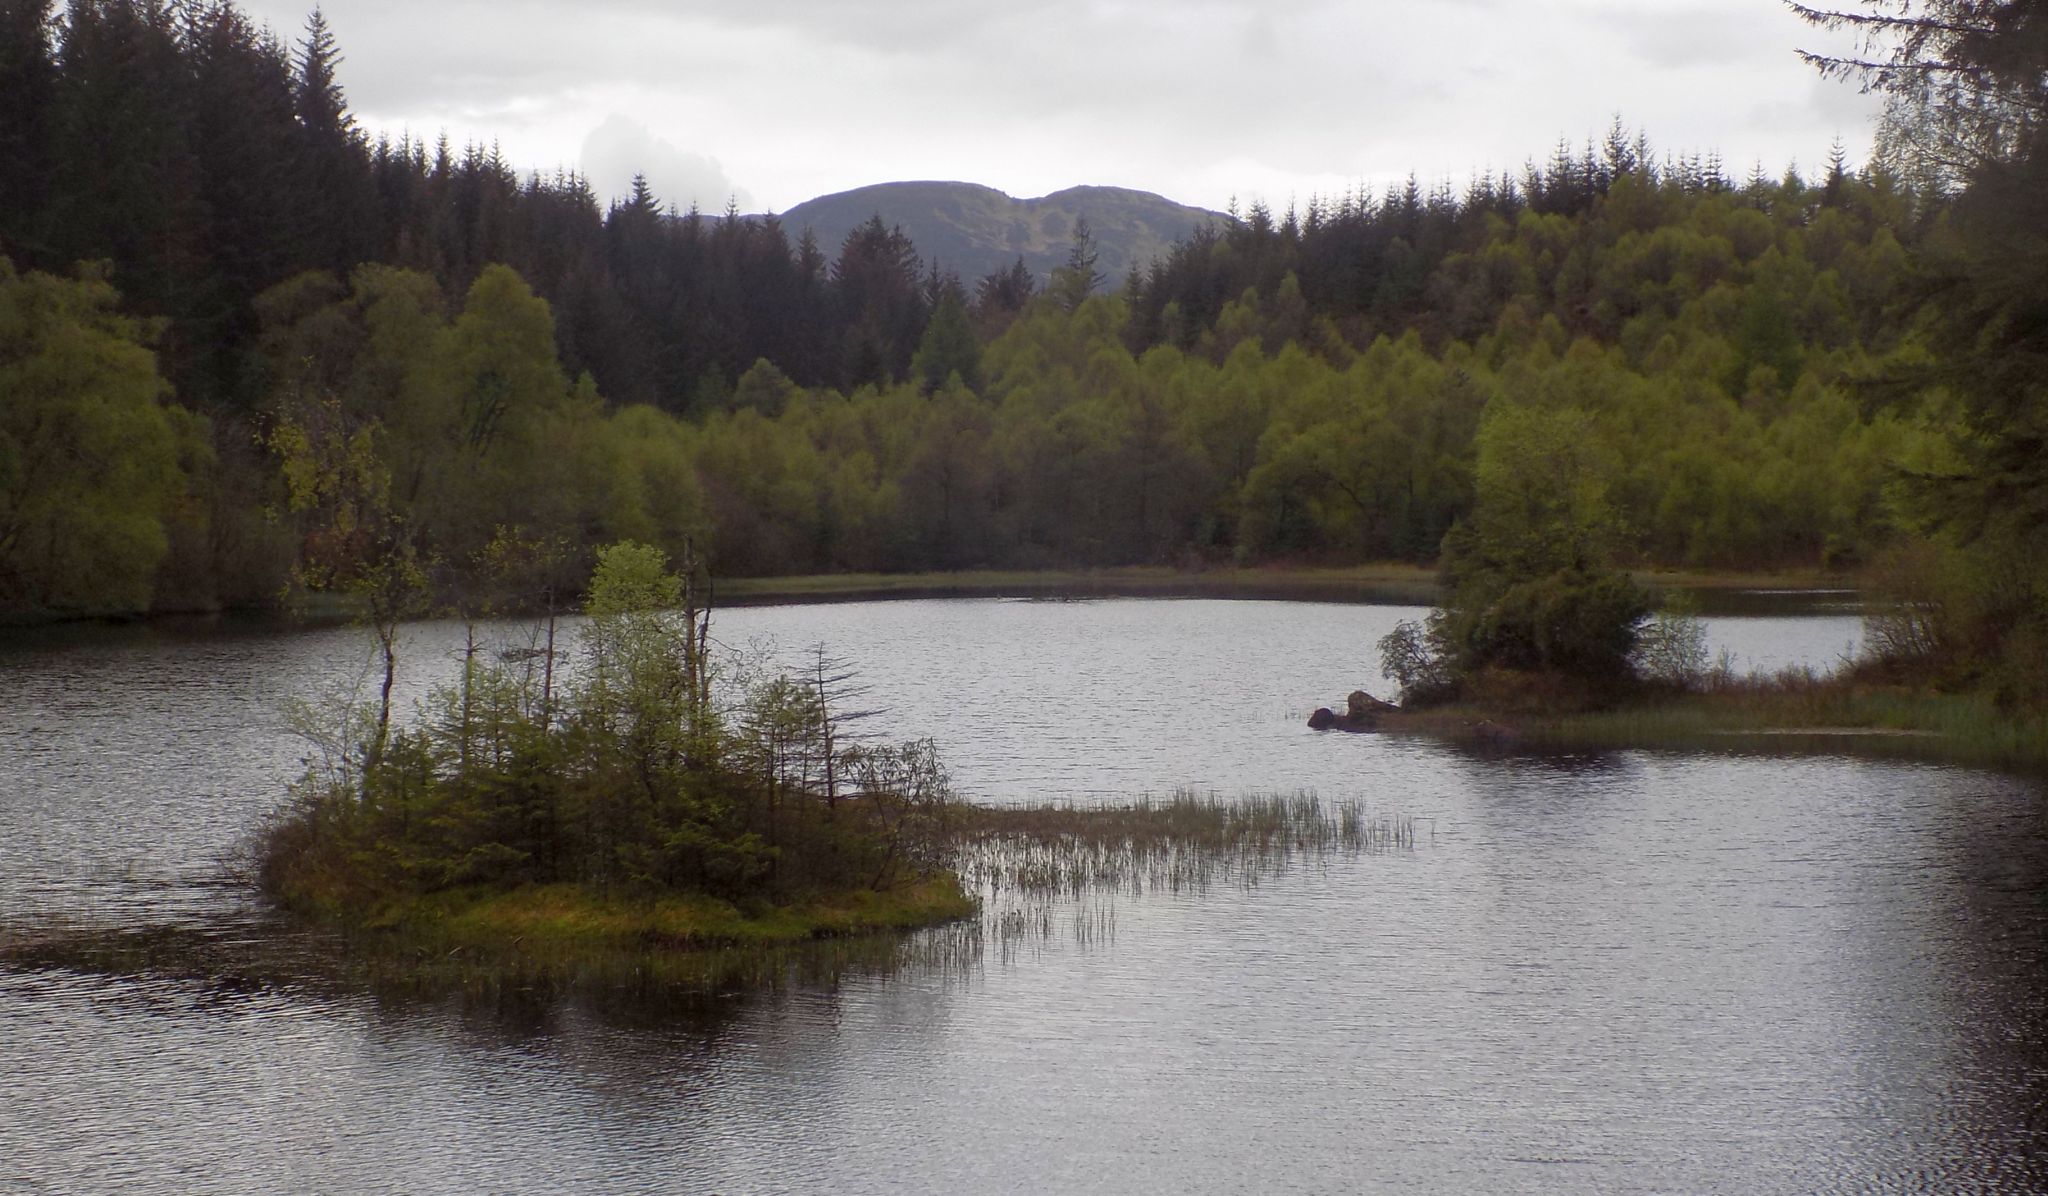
x: 244, y: 344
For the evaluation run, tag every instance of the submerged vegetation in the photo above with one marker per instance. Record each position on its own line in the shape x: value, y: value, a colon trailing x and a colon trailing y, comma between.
x: 1184, y: 842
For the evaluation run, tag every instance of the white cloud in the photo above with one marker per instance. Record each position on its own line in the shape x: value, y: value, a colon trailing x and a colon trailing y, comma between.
x: 802, y: 97
x: 621, y: 147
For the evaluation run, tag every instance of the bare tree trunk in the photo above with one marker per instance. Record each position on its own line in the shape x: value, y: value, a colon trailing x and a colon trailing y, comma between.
x: 547, y: 669
x: 387, y: 638
x: 468, y: 690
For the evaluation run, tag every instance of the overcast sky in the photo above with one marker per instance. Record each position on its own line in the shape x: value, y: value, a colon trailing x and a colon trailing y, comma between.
x: 776, y: 101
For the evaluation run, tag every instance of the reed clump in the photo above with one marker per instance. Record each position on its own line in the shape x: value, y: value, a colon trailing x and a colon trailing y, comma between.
x: 1187, y: 841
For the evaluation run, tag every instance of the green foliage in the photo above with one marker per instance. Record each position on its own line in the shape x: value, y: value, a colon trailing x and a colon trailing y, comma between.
x: 1967, y: 107
x: 949, y: 348
x: 1531, y: 580
x: 1306, y: 388
x: 93, y: 464
x: 1542, y: 501
x: 632, y: 581
x: 1573, y: 622
x: 763, y: 388
x: 1671, y: 649
x: 640, y: 779
x: 1417, y: 664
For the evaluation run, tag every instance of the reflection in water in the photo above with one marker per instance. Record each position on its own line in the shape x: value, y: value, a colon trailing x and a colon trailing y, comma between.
x: 1633, y: 971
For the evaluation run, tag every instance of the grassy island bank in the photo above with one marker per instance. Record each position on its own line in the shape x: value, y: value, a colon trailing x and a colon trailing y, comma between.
x: 555, y: 810
x: 566, y: 936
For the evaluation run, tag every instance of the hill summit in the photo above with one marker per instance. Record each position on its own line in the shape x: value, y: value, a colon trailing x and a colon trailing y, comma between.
x: 974, y: 230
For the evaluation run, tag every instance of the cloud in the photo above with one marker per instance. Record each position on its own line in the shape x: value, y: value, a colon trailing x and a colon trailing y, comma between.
x: 1693, y: 36
x: 621, y: 147
x: 804, y: 97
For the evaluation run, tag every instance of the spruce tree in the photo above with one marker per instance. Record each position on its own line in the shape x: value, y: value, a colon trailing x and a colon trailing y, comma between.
x: 338, y: 221
x: 28, y: 81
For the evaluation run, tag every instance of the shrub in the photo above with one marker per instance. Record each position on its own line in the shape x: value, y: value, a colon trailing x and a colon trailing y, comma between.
x: 1671, y: 649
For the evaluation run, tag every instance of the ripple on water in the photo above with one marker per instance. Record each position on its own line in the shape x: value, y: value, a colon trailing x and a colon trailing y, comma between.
x: 1621, y: 972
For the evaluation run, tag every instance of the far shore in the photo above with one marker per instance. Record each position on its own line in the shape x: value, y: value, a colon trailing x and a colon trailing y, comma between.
x: 1384, y: 584
x: 1387, y: 583
x: 1789, y: 715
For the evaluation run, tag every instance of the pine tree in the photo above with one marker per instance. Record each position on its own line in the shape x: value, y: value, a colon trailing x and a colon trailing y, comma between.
x: 1838, y: 174
x: 28, y: 84
x: 125, y: 184
x: 1075, y: 281
x: 1972, y: 75
x: 1000, y: 296
x: 244, y: 142
x: 881, y: 311
x: 338, y: 227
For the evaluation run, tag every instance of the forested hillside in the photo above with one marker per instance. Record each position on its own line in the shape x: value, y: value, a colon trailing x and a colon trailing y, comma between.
x: 369, y: 352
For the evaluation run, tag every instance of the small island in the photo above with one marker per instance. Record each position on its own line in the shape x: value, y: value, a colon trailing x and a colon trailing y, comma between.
x: 636, y: 795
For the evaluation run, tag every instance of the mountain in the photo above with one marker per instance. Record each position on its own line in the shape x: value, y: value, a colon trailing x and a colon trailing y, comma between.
x: 974, y: 230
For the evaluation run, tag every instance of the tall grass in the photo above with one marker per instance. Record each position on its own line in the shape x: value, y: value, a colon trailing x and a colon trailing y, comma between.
x: 1036, y: 875
x: 1184, y: 842
x: 1056, y: 871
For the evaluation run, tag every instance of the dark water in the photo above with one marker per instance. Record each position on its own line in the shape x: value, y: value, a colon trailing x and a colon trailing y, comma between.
x: 1632, y: 972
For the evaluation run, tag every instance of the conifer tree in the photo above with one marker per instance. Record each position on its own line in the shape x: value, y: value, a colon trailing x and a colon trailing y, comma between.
x: 334, y: 162
x: 1075, y: 281
x: 1971, y: 76
x: 28, y: 82
x: 880, y: 302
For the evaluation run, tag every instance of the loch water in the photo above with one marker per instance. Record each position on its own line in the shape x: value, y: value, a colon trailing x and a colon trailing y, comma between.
x: 1626, y: 971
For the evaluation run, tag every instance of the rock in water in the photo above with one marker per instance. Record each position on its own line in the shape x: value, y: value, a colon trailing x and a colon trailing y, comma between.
x: 1362, y: 712
x: 1362, y: 705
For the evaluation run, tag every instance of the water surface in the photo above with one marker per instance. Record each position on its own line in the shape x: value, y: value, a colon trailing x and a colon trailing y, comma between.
x: 1631, y: 971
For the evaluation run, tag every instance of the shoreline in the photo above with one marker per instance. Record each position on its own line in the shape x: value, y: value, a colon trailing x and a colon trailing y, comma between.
x: 1383, y: 584
x: 1729, y: 592
x: 1828, y: 718
x: 532, y: 938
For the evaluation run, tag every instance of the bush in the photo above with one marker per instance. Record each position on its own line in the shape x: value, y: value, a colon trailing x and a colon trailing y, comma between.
x: 1413, y: 659
x: 1575, y: 622
x: 1671, y: 649
x: 636, y: 777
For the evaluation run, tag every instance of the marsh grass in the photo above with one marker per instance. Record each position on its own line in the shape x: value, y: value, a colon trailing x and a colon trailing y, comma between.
x: 1055, y: 873
x: 1184, y: 842
x: 1028, y: 878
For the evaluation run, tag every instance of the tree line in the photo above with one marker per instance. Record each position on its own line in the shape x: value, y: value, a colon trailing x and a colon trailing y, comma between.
x: 301, y: 346
x: 207, y: 160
